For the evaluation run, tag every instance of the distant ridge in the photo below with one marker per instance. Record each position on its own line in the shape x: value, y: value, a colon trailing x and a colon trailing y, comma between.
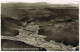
x: 45, y: 3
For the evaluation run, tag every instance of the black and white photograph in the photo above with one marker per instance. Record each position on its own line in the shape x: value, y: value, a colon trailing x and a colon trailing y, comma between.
x: 39, y: 25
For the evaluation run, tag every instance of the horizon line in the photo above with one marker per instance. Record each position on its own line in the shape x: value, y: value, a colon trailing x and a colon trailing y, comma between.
x: 41, y: 2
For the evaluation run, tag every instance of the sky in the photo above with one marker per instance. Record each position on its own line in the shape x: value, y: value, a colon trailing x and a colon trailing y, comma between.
x: 48, y: 1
